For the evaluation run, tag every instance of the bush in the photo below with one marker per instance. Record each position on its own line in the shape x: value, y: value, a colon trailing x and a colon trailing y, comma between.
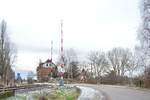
x: 6, y: 94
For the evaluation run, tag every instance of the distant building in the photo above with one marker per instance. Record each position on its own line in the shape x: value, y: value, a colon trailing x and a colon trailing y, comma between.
x: 46, y: 70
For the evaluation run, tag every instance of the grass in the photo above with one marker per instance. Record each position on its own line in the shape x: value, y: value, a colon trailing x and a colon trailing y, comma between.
x: 61, y: 94
x: 6, y: 94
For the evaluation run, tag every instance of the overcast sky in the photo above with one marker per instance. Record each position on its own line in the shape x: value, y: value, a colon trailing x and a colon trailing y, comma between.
x: 88, y: 25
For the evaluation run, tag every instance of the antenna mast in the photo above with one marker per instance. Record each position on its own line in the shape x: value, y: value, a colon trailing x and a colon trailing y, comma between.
x: 51, y: 50
x: 61, y: 67
x: 62, y: 50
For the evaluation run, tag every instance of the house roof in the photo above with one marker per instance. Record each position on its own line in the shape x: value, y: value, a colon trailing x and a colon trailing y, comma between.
x: 48, y: 61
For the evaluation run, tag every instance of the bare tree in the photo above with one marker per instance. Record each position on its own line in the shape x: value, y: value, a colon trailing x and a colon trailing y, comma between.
x: 71, y: 63
x: 144, y: 36
x: 132, y: 66
x: 30, y: 77
x: 119, y: 58
x: 144, y: 32
x: 99, y: 62
x: 92, y: 57
x: 7, y: 53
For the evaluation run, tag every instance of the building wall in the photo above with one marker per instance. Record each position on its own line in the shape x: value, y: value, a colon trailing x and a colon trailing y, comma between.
x: 44, y: 69
x: 43, y: 73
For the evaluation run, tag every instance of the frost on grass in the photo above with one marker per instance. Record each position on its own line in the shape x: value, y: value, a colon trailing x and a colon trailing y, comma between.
x: 64, y: 93
x: 89, y: 94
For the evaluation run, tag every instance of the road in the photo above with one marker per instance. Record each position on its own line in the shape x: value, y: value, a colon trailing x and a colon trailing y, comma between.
x: 121, y: 92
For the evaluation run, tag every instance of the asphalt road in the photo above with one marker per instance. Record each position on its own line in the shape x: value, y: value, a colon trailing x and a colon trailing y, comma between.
x: 111, y: 92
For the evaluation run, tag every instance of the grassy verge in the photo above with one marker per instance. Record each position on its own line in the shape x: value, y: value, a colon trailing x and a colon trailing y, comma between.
x: 6, y: 94
x: 63, y: 93
x: 60, y: 94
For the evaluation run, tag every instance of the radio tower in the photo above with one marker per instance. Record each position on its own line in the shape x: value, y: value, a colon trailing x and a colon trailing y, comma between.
x: 51, y: 50
x: 61, y: 67
x: 62, y: 50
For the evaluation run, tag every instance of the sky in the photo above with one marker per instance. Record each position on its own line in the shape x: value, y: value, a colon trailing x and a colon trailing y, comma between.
x: 87, y: 25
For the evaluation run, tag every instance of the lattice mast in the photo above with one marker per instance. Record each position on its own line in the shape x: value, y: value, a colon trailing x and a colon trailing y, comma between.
x: 51, y: 50
x: 62, y: 49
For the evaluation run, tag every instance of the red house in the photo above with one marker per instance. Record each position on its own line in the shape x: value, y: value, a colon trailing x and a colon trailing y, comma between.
x: 46, y: 70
